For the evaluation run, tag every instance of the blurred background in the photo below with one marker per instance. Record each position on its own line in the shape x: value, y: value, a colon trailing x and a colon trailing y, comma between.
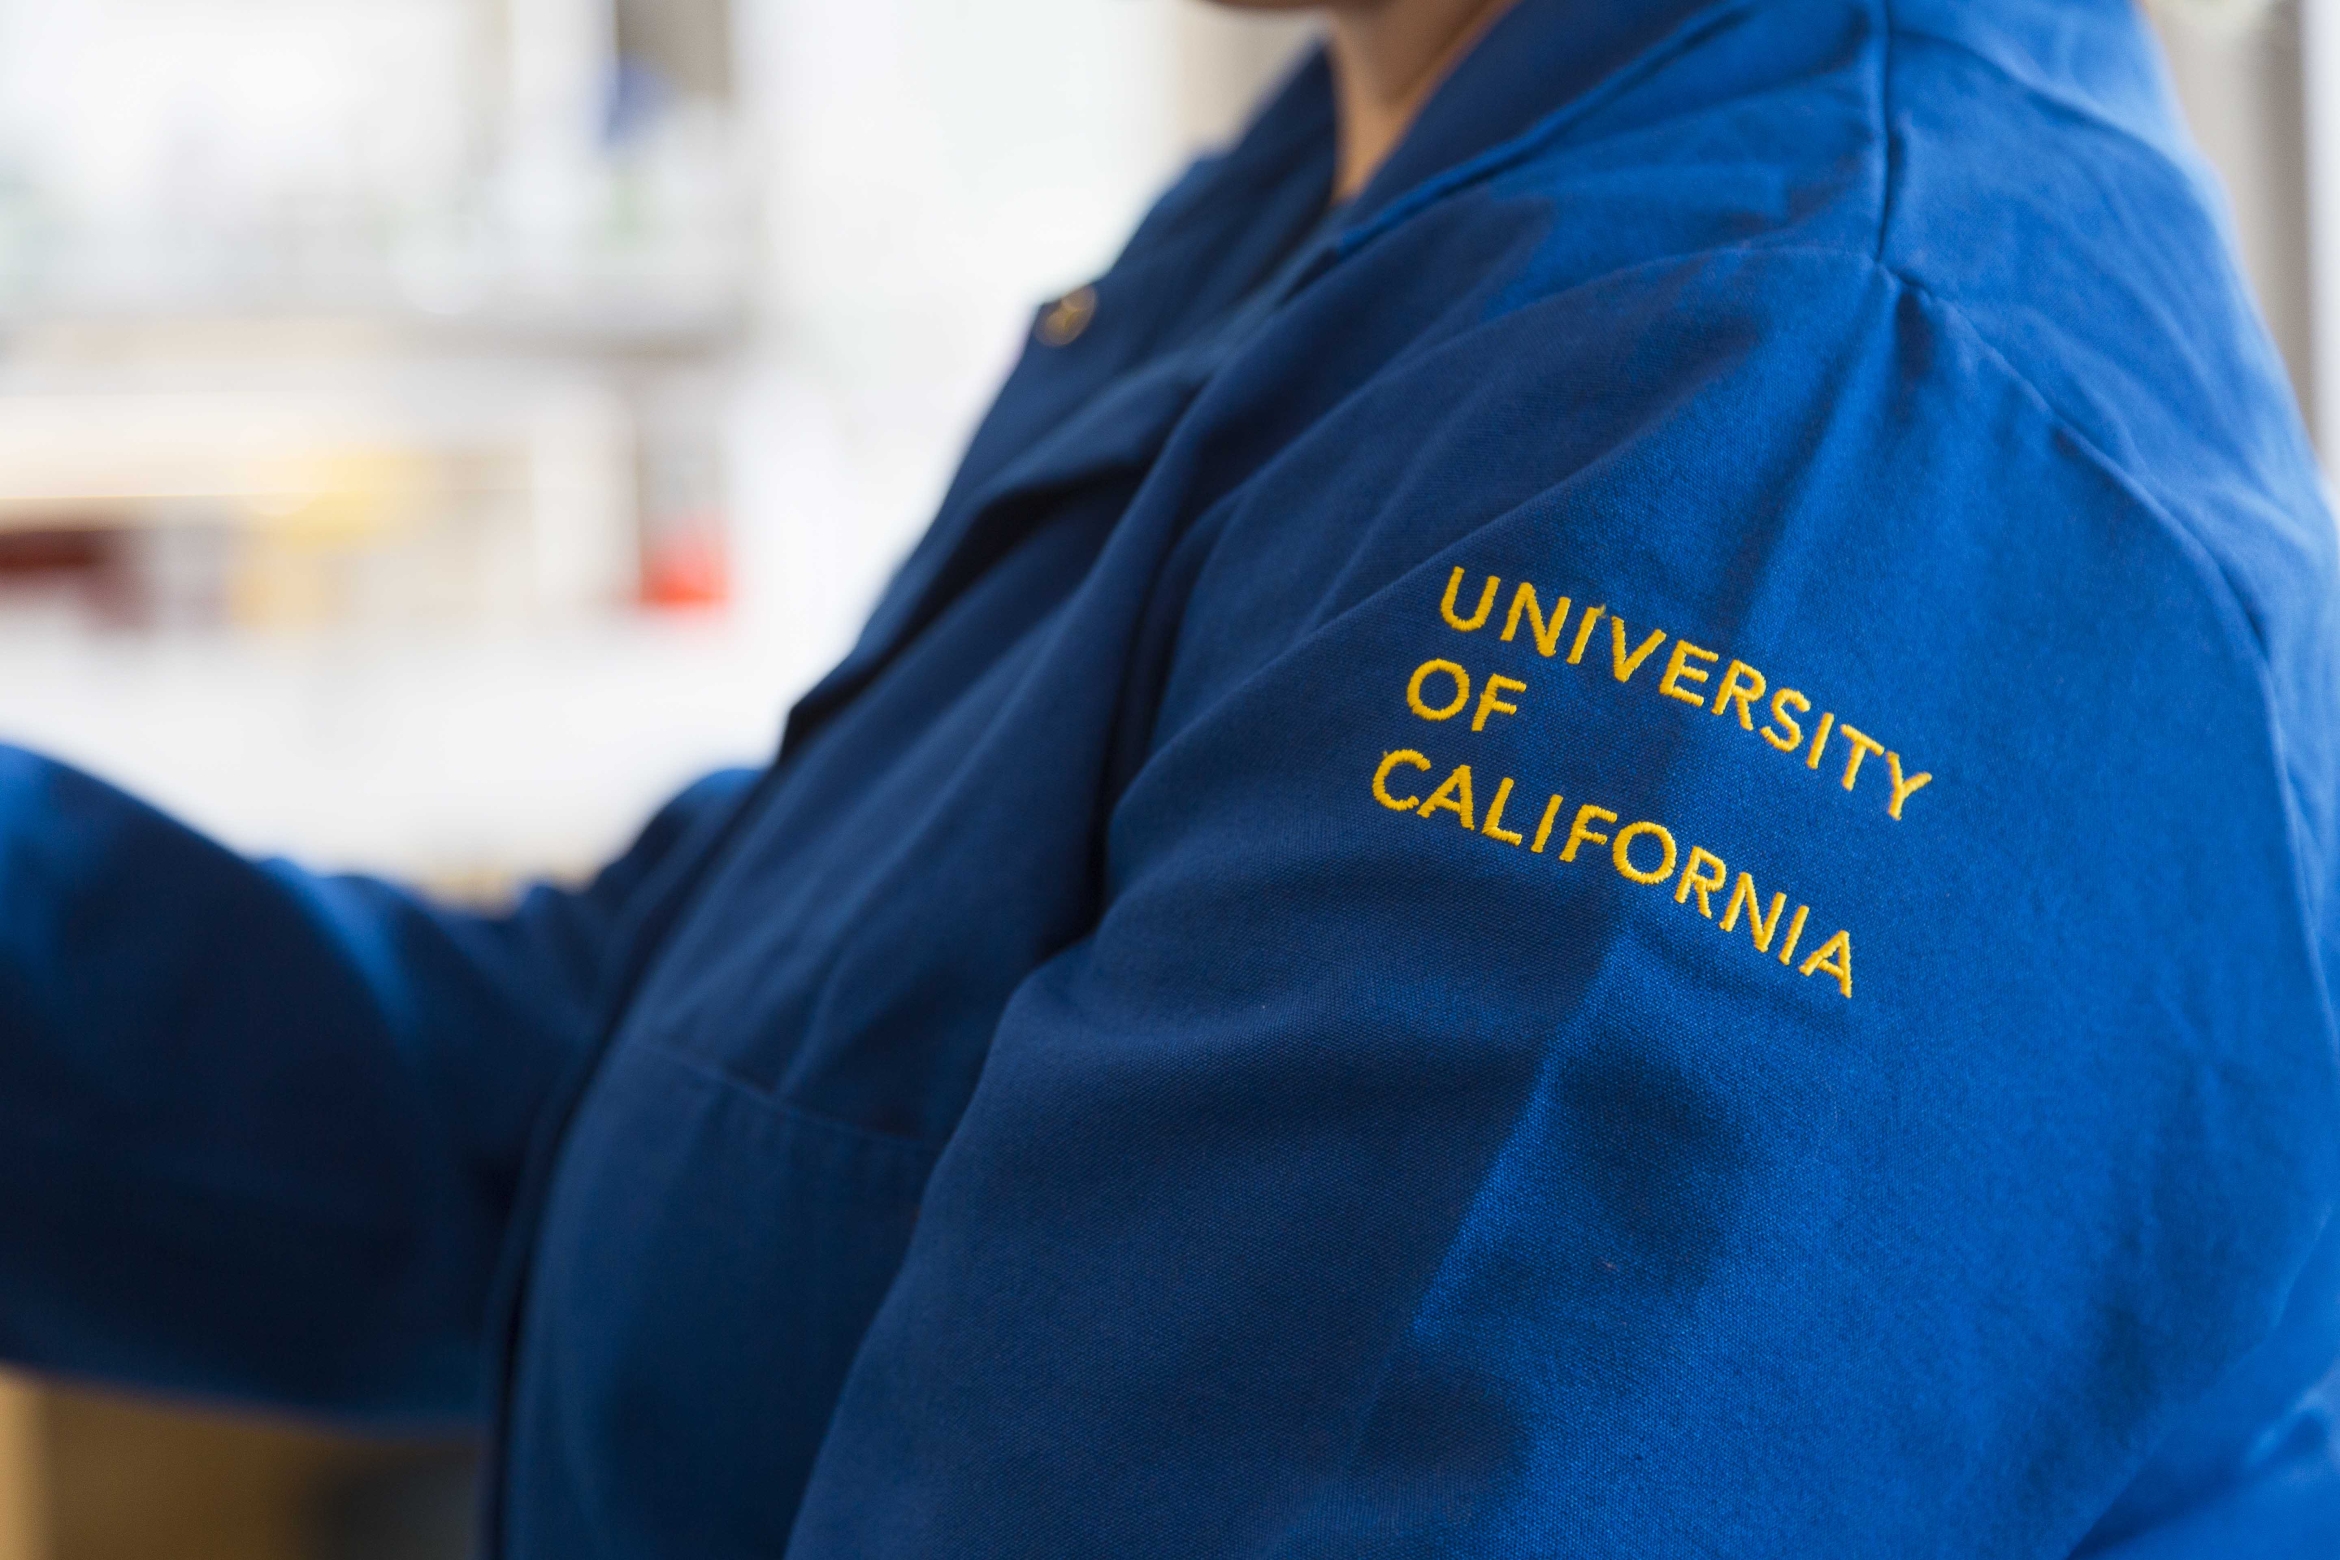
x: 433, y: 430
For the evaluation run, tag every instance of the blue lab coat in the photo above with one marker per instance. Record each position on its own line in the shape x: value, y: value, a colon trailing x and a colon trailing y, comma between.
x: 1631, y: 855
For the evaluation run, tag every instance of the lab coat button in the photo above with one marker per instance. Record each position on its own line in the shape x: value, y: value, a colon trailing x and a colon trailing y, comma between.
x: 1066, y: 318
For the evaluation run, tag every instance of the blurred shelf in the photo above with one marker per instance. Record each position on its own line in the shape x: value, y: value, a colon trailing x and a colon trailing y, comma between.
x: 614, y: 309
x: 316, y: 474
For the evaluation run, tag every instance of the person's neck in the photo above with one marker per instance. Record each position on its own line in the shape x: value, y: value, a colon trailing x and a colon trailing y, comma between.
x: 1388, y: 56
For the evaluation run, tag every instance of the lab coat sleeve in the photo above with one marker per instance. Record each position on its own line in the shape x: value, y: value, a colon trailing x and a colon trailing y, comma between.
x: 1551, y: 1078
x: 259, y: 1129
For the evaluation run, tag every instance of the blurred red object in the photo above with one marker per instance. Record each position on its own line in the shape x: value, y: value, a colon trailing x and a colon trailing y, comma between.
x: 686, y: 566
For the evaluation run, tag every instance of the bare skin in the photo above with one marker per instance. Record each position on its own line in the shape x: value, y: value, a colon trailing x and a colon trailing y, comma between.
x: 1388, y: 56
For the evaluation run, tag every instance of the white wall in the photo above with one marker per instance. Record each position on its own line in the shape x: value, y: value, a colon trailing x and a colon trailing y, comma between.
x: 2319, y: 27
x: 2240, y: 76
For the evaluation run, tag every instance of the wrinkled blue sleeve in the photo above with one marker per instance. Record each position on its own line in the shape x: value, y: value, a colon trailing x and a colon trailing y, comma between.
x: 1805, y: 1033
x: 260, y: 1129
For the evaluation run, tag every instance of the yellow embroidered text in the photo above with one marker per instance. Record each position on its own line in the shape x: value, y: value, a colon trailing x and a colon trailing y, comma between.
x: 1644, y: 852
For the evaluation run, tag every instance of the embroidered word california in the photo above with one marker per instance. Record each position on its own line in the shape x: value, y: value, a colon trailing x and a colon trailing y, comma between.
x: 1644, y: 852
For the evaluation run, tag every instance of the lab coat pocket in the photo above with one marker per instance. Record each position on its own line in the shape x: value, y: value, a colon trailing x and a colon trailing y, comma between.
x: 709, y: 1261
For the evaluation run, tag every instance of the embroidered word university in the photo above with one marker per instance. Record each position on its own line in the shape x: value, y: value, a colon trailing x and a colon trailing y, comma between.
x: 1686, y: 677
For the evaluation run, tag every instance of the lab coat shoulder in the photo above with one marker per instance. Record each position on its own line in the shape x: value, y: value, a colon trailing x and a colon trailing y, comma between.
x: 1712, y: 891
x: 2046, y: 202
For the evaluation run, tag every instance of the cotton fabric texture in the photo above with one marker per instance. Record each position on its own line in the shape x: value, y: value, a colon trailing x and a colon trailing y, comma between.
x: 1151, y: 1071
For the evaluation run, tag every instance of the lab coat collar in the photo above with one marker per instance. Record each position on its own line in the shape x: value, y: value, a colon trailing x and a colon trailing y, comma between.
x: 1213, y: 239
x: 1545, y: 60
x: 1539, y: 58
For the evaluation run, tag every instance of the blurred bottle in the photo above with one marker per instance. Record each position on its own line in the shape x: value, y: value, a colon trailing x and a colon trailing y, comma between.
x: 685, y: 525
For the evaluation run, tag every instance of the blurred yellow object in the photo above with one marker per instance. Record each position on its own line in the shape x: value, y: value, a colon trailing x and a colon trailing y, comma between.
x: 93, y: 1476
x: 24, y: 1526
x: 311, y: 522
x: 339, y: 496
